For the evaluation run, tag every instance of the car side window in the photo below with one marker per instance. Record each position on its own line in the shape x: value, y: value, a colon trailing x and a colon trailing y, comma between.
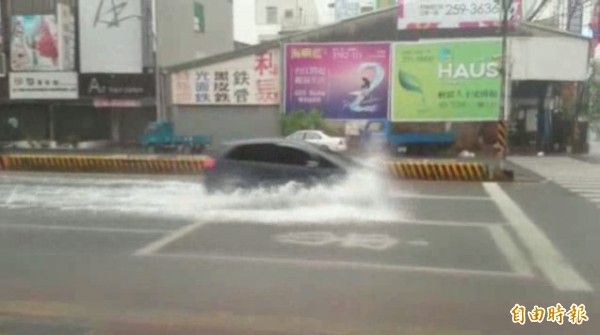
x: 270, y: 153
x: 298, y: 136
x: 313, y: 136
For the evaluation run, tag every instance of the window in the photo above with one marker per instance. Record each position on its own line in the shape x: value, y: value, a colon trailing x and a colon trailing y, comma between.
x: 3, y: 70
x: 366, y: 9
x: 199, y: 21
x: 271, y: 17
x: 297, y: 136
x: 289, y: 14
x: 313, y: 136
x: 270, y: 153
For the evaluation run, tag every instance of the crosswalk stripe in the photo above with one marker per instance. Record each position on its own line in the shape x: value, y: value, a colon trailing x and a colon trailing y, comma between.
x: 580, y: 178
x: 584, y: 190
x: 579, y: 186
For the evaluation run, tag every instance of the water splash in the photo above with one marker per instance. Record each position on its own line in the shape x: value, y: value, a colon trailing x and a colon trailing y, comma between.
x: 362, y: 198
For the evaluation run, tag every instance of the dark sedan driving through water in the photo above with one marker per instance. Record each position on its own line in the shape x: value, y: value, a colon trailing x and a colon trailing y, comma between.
x: 273, y: 162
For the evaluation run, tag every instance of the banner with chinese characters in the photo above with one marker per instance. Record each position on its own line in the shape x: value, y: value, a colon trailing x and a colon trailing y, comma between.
x: 447, y: 81
x: 454, y: 14
x: 343, y: 81
x: 43, y: 85
x: 251, y: 80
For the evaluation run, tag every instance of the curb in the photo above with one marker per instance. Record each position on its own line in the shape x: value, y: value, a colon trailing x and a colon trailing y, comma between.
x: 102, y: 164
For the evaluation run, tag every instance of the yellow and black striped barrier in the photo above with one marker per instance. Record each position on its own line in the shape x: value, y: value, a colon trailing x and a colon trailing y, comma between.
x: 103, y: 164
x: 502, y: 142
x: 449, y: 171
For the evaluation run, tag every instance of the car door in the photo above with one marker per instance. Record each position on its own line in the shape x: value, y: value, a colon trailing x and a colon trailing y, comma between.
x: 305, y: 166
x: 251, y: 165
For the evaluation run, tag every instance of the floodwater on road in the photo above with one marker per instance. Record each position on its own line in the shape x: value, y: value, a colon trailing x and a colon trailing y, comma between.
x: 361, y: 198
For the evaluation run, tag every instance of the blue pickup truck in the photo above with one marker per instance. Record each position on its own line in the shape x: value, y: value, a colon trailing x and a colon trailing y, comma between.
x: 380, y: 134
x: 160, y: 136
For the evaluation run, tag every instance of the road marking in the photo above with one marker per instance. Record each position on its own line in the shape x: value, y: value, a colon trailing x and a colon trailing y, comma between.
x: 168, y: 239
x: 403, y: 195
x: 82, y: 229
x: 582, y: 184
x: 328, y: 265
x: 585, y: 190
x: 219, y: 321
x: 545, y: 255
x: 511, y: 252
x: 447, y: 223
x: 375, y: 242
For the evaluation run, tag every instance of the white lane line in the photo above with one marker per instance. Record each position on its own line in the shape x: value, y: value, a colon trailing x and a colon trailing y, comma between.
x: 328, y: 265
x: 582, y: 184
x: 404, y: 195
x: 545, y: 255
x: 584, y: 190
x: 168, y: 239
x: 19, y: 226
x: 511, y: 252
x: 446, y: 223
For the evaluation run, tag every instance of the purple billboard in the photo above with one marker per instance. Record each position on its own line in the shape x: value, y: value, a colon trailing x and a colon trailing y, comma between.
x: 342, y: 81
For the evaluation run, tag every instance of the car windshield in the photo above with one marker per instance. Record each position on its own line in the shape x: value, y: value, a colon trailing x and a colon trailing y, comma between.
x: 299, y: 167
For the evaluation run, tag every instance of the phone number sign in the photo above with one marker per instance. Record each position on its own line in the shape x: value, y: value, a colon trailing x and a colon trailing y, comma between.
x: 455, y: 14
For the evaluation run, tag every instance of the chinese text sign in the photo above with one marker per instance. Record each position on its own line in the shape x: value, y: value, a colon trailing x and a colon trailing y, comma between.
x: 451, y: 81
x: 342, y: 81
x: 251, y: 80
x: 454, y: 14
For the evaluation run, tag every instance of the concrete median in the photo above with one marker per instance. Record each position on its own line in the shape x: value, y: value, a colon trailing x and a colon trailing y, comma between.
x: 447, y: 171
x: 146, y: 164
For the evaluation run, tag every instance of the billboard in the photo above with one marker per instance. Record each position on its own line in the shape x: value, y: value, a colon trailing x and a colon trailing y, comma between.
x: 454, y: 14
x: 249, y: 80
x: 34, y: 43
x: 43, y: 85
x: 110, y: 38
x: 447, y: 81
x: 343, y: 81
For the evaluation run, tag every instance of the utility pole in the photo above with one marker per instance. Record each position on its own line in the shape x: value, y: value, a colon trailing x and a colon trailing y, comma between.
x: 502, y: 124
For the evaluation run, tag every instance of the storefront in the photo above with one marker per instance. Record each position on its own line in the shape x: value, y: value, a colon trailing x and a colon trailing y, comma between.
x: 124, y: 103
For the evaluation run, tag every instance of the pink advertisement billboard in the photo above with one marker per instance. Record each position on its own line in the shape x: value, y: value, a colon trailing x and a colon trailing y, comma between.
x: 348, y: 81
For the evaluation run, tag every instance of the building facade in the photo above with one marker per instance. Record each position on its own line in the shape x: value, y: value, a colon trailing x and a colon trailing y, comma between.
x: 364, y: 68
x: 86, y: 70
x: 193, y: 29
x: 277, y: 17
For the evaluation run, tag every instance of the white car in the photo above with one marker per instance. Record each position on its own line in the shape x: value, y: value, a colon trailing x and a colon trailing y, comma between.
x: 319, y: 138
